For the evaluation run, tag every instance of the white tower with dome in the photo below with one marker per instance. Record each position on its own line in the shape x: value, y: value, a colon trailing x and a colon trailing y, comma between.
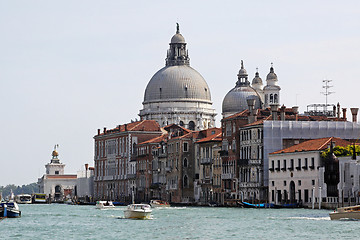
x: 178, y: 93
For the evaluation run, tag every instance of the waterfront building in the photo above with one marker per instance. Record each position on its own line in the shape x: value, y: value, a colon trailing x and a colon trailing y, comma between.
x: 85, y: 184
x: 115, y: 158
x: 150, y: 173
x: 349, y: 180
x: 298, y: 174
x: 210, y: 167
x: 55, y: 183
x: 177, y: 93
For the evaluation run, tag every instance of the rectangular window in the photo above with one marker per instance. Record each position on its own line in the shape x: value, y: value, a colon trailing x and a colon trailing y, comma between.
x: 299, y: 164
x: 272, y: 165
x: 56, y: 172
x: 305, y: 164
x: 291, y: 164
x: 273, y: 183
x: 272, y: 195
x: 278, y: 165
x: 313, y: 182
x: 284, y: 183
x: 284, y: 165
x: 177, y: 147
x: 185, y: 149
x: 312, y: 163
x: 299, y: 182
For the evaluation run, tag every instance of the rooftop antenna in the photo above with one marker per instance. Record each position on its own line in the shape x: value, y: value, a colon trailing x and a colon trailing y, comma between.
x: 326, y: 93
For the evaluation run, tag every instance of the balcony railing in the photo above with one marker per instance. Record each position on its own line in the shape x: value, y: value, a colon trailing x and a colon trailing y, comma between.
x: 131, y: 176
x: 291, y: 168
x: 206, y: 181
x: 206, y: 161
x: 168, y: 169
x: 227, y: 176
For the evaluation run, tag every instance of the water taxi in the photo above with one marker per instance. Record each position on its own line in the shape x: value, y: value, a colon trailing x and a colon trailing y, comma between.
x: 104, y: 205
x: 39, y: 198
x: 138, y: 211
x: 23, y: 199
x: 12, y: 209
x: 158, y: 203
x: 352, y: 212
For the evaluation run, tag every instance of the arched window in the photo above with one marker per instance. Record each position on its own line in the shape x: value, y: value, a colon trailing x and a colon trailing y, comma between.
x: 185, y: 162
x: 275, y: 98
x: 192, y: 125
x: 181, y: 123
x: 185, y: 181
x: 271, y: 98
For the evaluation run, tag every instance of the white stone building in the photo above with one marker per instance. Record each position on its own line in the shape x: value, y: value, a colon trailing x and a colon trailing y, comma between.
x: 297, y: 174
x: 349, y: 185
x: 55, y: 183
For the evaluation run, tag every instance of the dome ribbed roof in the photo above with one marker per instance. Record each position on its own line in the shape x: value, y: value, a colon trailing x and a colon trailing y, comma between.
x: 272, y: 75
x: 235, y: 99
x: 257, y: 79
x: 178, y: 38
x: 180, y: 82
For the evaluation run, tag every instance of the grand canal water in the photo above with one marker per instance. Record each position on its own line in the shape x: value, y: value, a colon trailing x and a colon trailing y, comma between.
x: 60, y: 221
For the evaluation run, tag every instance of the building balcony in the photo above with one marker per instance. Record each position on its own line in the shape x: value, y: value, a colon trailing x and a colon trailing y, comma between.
x: 162, y: 155
x: 312, y: 167
x: 305, y: 167
x: 227, y: 176
x: 205, y: 161
x: 277, y: 169
x: 206, y: 181
x: 249, y: 184
x: 255, y: 162
x: 291, y: 168
x: 223, y: 153
x: 298, y: 168
x: 131, y: 176
x: 168, y: 169
x: 283, y: 169
x: 271, y: 169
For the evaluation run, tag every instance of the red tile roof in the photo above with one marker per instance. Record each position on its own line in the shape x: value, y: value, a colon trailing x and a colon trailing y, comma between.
x: 155, y: 139
x: 212, y: 138
x: 65, y: 176
x: 314, y: 145
x: 144, y: 125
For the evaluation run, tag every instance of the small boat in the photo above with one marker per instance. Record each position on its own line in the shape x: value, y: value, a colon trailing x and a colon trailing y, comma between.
x: 138, y: 211
x: 352, y: 212
x: 258, y: 205
x: 104, y: 205
x: 23, y: 199
x: 158, y: 203
x: 39, y: 198
x: 3, y: 210
x: 12, y: 209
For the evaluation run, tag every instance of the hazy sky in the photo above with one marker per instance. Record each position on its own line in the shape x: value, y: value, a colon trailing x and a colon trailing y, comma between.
x: 68, y: 68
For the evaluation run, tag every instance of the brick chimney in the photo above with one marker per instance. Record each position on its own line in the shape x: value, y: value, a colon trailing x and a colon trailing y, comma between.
x: 344, y: 113
x: 354, y: 112
x: 295, y: 110
x: 98, y: 131
x: 282, y: 113
x: 104, y: 130
x: 274, y: 111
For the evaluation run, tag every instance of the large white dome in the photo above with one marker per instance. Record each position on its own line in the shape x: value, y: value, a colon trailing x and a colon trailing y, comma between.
x: 177, y: 83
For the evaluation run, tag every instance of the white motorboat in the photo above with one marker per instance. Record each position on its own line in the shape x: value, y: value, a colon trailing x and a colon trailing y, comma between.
x: 138, y: 211
x: 104, y: 205
x: 352, y: 212
x: 23, y: 199
x: 159, y: 203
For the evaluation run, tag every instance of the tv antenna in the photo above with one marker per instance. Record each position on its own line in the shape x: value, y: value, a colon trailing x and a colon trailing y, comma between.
x: 327, y: 92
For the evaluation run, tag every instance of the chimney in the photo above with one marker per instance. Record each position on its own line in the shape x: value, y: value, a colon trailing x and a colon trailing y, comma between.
x: 282, y: 113
x: 252, y: 111
x: 354, y: 112
x: 295, y: 110
x: 274, y: 110
x: 338, y: 110
x: 125, y: 127
x: 86, y: 169
x: 104, y: 130
x: 344, y: 113
x: 334, y: 110
x: 98, y: 131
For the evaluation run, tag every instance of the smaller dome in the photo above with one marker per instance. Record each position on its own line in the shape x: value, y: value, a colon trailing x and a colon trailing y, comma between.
x: 271, y: 75
x: 257, y: 79
x: 178, y: 38
x: 242, y: 71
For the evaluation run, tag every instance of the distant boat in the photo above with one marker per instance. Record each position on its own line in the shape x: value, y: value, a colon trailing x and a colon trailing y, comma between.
x: 258, y: 205
x: 39, y: 198
x: 268, y: 205
x: 104, y: 205
x: 138, y: 211
x: 346, y: 213
x: 23, y: 199
x: 159, y: 203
